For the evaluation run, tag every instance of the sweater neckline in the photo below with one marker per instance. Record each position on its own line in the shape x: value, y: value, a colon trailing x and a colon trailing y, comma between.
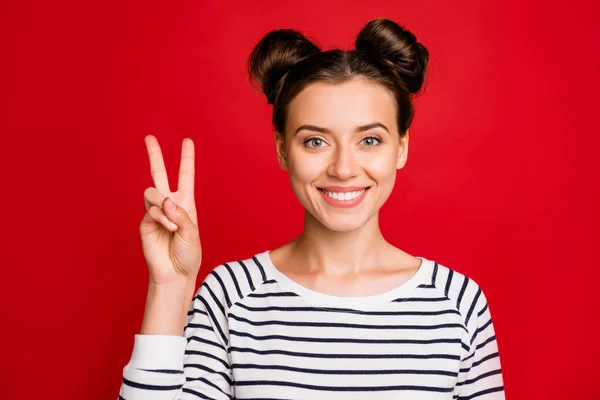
x: 423, y: 275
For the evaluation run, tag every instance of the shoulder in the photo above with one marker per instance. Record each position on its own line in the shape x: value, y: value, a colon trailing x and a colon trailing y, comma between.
x: 462, y: 290
x: 233, y: 280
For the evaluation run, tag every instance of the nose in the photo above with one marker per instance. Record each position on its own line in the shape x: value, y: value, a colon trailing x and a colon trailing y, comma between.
x: 343, y: 163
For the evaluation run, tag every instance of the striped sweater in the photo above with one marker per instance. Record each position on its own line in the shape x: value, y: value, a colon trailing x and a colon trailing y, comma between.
x: 253, y: 333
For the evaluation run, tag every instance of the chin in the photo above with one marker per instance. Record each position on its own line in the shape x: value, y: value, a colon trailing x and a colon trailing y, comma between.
x: 340, y: 223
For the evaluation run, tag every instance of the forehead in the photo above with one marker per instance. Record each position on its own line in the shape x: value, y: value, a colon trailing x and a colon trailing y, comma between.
x: 343, y: 106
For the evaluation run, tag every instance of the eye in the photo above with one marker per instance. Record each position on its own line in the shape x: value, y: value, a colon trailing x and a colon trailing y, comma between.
x: 316, y: 141
x: 372, y: 141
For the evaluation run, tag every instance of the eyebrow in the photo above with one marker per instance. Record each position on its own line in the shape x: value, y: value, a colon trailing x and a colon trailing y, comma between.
x: 325, y: 130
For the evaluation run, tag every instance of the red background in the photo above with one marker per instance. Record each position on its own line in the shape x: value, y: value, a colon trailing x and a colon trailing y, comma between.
x: 501, y: 181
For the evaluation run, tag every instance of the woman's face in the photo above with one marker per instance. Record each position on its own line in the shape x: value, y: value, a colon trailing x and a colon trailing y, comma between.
x: 342, y: 141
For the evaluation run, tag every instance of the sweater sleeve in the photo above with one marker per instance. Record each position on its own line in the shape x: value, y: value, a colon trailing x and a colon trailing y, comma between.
x: 193, y: 366
x: 480, y: 375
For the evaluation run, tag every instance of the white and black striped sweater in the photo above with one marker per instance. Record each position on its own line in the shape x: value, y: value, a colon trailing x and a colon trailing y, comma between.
x: 253, y: 333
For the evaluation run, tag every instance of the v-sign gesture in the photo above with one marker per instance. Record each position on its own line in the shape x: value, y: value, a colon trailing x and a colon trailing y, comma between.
x: 170, y: 236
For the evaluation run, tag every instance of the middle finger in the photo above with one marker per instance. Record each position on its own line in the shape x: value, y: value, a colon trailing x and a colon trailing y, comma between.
x: 186, y: 168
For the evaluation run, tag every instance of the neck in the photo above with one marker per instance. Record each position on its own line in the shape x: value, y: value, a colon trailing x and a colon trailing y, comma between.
x: 333, y: 253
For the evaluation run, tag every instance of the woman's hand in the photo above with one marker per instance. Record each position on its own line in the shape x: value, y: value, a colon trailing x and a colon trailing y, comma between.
x: 170, y: 237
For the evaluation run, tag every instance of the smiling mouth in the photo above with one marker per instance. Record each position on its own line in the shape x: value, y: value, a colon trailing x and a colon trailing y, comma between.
x: 347, y: 195
x: 346, y: 199
x: 365, y: 188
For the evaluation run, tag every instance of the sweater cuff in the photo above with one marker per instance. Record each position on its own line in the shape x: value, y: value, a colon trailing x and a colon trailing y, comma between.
x: 158, y: 352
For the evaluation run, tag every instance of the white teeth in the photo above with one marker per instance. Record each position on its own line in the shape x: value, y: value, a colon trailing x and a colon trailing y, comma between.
x: 344, y: 196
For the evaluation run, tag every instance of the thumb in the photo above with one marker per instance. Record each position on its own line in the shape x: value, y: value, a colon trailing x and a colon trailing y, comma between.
x: 179, y: 216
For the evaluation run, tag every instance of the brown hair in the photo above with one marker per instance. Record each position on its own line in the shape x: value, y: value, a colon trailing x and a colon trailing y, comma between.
x: 284, y: 62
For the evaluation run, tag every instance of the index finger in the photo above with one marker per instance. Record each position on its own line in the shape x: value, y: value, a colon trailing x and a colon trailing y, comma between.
x: 186, y: 168
x: 157, y: 165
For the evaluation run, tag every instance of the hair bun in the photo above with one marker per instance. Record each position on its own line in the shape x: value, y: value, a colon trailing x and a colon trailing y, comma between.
x: 274, y: 55
x: 385, y: 39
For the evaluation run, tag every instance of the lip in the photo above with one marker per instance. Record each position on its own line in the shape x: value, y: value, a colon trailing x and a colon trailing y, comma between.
x: 345, y: 203
x: 343, y: 189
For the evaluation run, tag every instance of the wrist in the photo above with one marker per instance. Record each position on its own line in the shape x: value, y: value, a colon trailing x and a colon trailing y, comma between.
x: 166, y: 308
x: 182, y: 289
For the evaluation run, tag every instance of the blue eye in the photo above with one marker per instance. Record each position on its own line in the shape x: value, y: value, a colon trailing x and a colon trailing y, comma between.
x: 318, y: 142
x: 373, y: 138
x: 313, y: 140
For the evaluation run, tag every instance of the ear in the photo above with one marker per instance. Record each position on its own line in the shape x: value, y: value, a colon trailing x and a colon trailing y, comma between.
x: 280, y: 148
x: 402, y: 151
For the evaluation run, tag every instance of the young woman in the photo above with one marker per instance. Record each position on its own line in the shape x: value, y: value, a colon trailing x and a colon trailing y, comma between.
x: 338, y: 312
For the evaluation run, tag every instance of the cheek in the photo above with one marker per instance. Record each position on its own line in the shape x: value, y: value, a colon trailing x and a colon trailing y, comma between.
x: 303, y: 173
x: 381, y: 167
x: 305, y: 169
